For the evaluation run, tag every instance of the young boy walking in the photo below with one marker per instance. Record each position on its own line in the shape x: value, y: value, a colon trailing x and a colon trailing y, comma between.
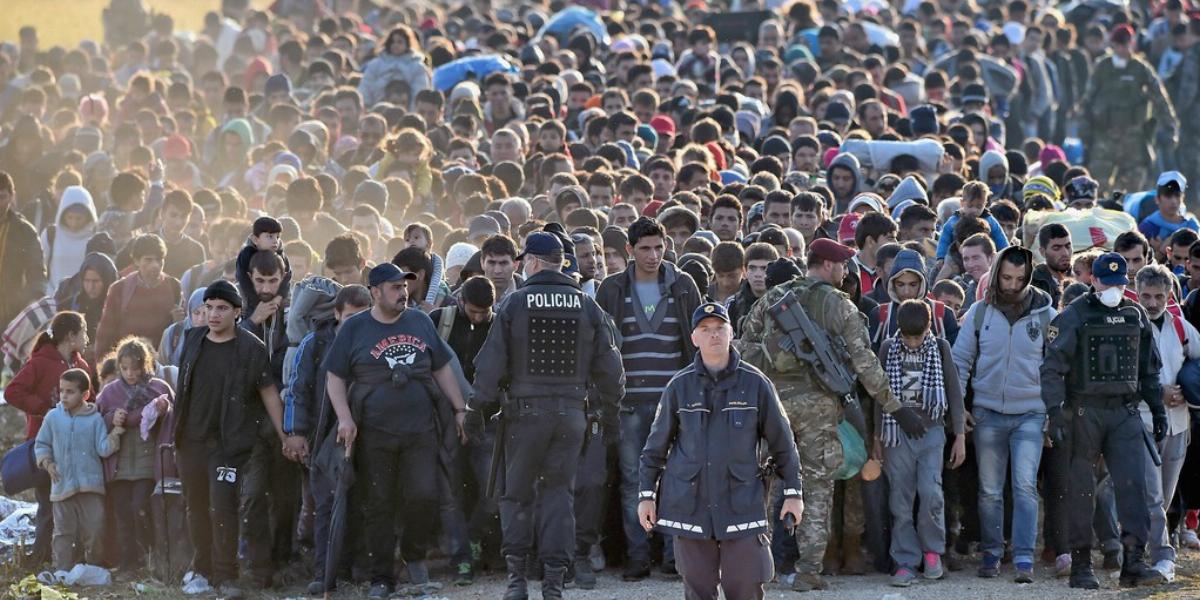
x: 69, y: 446
x: 922, y: 376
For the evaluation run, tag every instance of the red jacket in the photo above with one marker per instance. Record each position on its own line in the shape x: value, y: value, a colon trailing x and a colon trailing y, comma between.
x: 34, y: 390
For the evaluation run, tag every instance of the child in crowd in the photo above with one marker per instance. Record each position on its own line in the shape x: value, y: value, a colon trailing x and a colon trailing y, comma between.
x: 266, y: 235
x: 952, y: 295
x: 69, y: 447
x: 419, y: 235
x: 922, y: 375
x: 132, y: 471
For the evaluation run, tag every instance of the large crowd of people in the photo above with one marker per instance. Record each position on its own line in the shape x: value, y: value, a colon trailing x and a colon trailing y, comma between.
x: 279, y: 276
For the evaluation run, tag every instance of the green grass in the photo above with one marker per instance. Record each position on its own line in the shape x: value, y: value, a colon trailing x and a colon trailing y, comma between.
x: 68, y: 22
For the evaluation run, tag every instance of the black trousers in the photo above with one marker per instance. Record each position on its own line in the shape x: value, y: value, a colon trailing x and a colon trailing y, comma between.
x: 398, y: 472
x: 1116, y: 434
x: 270, y: 505
x: 211, y: 491
x: 590, y: 494
x: 135, y: 527
x: 542, y: 444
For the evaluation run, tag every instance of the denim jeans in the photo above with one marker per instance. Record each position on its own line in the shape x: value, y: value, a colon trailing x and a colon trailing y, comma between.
x: 635, y: 428
x: 1160, y: 485
x: 1002, y: 440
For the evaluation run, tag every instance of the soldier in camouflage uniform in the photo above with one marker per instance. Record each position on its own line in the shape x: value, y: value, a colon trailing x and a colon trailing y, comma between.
x: 1116, y: 108
x: 813, y: 411
x: 1185, y: 93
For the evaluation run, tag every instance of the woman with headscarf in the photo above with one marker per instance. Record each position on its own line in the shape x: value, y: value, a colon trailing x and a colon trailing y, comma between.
x: 231, y: 161
x: 171, y: 347
x: 64, y: 244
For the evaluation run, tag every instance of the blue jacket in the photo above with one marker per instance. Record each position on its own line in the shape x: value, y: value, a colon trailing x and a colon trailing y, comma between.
x: 75, y: 444
x: 701, y: 459
x: 306, y: 412
x: 947, y: 236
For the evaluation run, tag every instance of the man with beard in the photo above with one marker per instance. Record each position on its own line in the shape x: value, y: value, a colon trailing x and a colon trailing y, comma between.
x: 387, y: 372
x: 271, y: 484
x: 998, y: 353
x: 1054, y: 242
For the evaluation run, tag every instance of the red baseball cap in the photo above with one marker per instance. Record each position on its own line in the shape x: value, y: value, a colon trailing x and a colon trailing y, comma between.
x: 663, y: 125
x: 177, y: 147
x: 847, y: 228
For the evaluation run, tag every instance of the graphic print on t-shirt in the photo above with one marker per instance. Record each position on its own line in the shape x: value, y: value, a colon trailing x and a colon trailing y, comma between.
x: 400, y: 349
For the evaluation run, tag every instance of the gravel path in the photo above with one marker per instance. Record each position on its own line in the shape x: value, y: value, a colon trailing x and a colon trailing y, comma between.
x: 960, y: 585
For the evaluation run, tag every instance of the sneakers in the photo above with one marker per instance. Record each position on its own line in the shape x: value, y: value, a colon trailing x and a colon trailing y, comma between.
x: 229, y: 591
x: 464, y: 574
x: 904, y: 577
x: 1166, y: 568
x: 1062, y: 565
x: 636, y: 571
x: 933, y: 566
x: 379, y: 591
x: 1189, y: 539
x: 1024, y: 572
x: 990, y: 567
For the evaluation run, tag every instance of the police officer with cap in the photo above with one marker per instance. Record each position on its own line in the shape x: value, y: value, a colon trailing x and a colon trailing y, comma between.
x: 548, y: 344
x: 699, y: 469
x: 1101, y: 362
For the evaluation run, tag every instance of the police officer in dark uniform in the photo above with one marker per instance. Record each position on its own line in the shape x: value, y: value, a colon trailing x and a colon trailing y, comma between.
x: 1101, y: 362
x: 548, y: 342
x: 700, y: 463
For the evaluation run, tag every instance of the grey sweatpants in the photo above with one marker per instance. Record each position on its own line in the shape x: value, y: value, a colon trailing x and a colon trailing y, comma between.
x: 740, y: 567
x: 914, y: 469
x: 78, y: 521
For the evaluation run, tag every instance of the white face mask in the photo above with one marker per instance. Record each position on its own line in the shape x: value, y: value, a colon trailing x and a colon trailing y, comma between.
x: 1111, y: 297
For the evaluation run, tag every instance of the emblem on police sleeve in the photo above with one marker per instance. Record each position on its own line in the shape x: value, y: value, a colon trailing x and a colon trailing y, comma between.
x: 1051, y: 334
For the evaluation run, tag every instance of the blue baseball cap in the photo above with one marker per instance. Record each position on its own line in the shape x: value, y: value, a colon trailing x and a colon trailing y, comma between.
x: 709, y: 309
x: 387, y: 272
x: 1111, y: 269
x: 541, y: 243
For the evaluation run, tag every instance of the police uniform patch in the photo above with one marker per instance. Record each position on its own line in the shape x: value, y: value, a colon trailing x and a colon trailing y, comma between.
x: 1051, y: 333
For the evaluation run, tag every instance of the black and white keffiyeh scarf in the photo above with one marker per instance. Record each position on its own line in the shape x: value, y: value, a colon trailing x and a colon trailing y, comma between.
x: 933, y: 384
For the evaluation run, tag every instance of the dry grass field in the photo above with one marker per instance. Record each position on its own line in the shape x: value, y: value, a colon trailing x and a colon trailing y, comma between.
x: 66, y: 22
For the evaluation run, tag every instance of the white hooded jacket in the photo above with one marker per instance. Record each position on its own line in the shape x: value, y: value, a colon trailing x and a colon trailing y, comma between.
x: 64, y: 258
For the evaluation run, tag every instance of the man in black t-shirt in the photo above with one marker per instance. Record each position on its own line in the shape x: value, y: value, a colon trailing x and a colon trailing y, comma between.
x: 397, y: 365
x: 225, y: 386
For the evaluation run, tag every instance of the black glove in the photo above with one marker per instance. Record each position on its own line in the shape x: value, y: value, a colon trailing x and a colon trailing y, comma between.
x: 1160, y: 425
x: 910, y: 422
x: 1057, y: 428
